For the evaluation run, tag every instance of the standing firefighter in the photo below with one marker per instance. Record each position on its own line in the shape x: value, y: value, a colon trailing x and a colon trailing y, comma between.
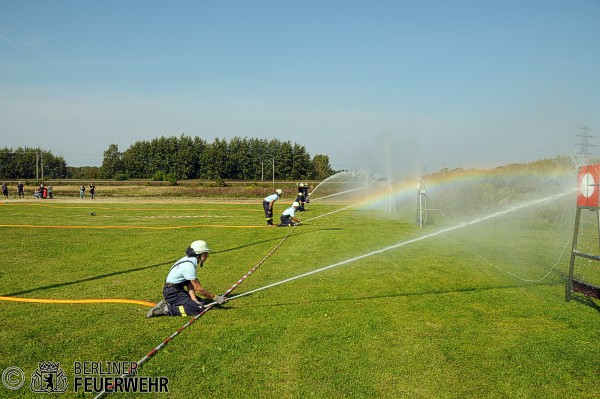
x: 268, y: 205
x: 301, y: 197
x: 288, y: 217
x: 182, y: 285
x: 304, y: 187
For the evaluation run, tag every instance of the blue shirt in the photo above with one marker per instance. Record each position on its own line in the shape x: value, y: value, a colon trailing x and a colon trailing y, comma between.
x: 183, y: 270
x: 272, y: 197
x: 289, y: 212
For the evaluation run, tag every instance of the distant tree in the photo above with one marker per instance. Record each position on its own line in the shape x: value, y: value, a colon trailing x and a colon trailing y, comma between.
x: 112, y: 162
x: 193, y: 158
x: 216, y: 160
x: 136, y: 161
x: 269, y: 157
x: 258, y: 158
x: 240, y: 159
x: 7, y: 163
x: 321, y: 167
x: 23, y: 163
x: 197, y: 165
x: 54, y: 167
x: 284, y: 160
x: 83, y: 172
x: 301, y: 166
x: 186, y: 164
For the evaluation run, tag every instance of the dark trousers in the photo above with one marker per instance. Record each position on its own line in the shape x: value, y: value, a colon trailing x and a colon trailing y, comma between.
x: 268, y: 212
x: 286, y: 221
x: 180, y: 303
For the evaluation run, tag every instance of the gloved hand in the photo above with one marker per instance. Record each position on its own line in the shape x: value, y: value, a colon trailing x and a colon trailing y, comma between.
x: 219, y: 299
x: 199, y: 303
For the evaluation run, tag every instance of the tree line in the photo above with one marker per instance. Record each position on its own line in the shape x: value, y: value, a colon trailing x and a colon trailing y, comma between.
x: 179, y: 158
x: 31, y: 163
x: 185, y: 157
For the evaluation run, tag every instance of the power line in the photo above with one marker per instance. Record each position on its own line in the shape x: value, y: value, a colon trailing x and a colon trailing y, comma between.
x: 584, y: 144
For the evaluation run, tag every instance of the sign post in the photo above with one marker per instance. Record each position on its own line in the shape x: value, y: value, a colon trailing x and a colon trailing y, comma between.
x: 587, y: 198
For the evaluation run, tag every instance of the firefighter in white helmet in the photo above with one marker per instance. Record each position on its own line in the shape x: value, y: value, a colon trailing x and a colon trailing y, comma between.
x: 268, y: 202
x: 182, y: 287
x: 305, y: 189
x: 301, y: 197
x: 288, y: 217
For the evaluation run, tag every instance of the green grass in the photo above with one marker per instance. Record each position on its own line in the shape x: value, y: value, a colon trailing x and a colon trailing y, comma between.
x: 439, y: 318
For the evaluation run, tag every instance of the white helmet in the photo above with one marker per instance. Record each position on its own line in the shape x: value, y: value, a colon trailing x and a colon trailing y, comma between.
x: 199, y: 247
x: 296, y: 204
x: 301, y: 184
x: 279, y: 191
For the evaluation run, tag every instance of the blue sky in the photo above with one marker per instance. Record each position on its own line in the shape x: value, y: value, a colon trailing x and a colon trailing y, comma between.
x: 402, y: 85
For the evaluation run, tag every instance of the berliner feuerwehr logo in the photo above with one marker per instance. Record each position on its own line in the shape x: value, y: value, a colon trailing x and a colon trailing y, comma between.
x: 49, y: 378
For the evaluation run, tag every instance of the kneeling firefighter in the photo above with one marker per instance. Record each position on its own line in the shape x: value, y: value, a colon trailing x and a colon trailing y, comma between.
x: 288, y: 217
x: 182, y: 286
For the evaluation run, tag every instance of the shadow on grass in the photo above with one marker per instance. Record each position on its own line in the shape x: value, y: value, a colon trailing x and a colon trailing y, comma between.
x: 83, y: 280
x: 276, y: 239
x: 587, y: 301
x: 137, y: 269
x: 407, y: 294
x: 326, y: 229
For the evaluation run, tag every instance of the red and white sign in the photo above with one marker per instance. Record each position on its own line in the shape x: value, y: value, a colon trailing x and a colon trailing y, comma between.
x: 589, y: 180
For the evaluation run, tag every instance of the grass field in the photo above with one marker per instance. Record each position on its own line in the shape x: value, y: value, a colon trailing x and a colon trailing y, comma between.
x: 477, y: 312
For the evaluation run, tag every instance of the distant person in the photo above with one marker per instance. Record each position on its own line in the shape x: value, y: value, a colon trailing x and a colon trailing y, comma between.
x: 21, y: 190
x: 301, y: 197
x: 81, y: 191
x: 288, y: 217
x: 182, y: 287
x: 268, y: 202
x: 5, y: 190
x: 93, y: 191
x: 50, y: 192
x: 305, y: 189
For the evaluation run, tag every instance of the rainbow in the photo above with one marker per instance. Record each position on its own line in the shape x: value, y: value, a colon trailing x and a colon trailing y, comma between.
x: 378, y: 195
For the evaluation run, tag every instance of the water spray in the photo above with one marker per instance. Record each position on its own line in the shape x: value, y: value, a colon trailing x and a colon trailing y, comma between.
x: 340, y: 193
x: 434, y: 234
x: 511, y: 273
x: 347, y: 207
x: 337, y: 210
x: 347, y: 173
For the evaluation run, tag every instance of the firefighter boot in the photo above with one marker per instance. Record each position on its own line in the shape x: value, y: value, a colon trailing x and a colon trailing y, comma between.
x: 160, y: 309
